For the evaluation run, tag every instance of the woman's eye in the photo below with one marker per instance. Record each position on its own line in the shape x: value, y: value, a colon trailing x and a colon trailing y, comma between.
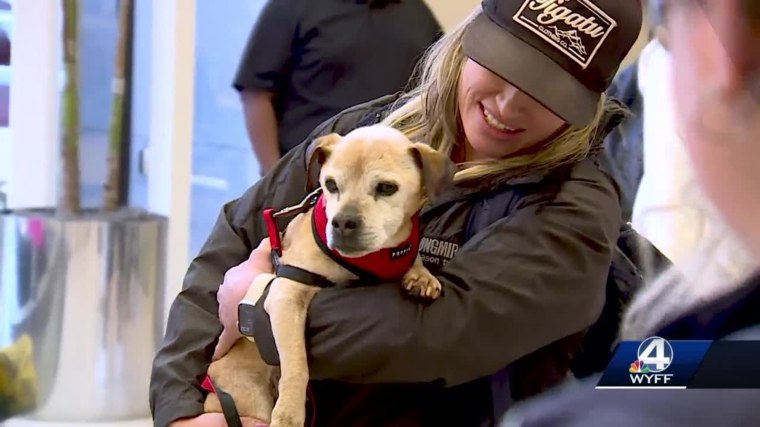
x: 386, y: 189
x: 331, y: 186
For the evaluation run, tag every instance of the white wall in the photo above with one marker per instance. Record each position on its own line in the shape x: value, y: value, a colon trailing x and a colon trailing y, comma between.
x: 33, y: 165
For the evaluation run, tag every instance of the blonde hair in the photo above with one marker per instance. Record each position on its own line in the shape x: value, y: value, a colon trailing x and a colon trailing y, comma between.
x: 429, y: 113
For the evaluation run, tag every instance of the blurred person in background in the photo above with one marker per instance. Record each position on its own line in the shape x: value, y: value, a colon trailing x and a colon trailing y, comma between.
x: 715, y: 49
x: 670, y: 209
x: 306, y: 61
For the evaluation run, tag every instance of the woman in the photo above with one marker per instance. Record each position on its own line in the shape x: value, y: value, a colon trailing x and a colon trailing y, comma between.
x: 715, y: 46
x: 522, y: 244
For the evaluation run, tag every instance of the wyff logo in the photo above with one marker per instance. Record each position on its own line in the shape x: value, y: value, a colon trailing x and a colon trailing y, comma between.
x: 653, y: 363
x: 655, y: 355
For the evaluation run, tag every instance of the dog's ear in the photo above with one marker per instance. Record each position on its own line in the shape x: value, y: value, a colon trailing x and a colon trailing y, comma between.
x: 437, y: 169
x: 316, y: 156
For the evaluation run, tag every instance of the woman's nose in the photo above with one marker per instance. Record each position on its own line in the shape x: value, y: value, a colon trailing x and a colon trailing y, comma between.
x: 512, y: 101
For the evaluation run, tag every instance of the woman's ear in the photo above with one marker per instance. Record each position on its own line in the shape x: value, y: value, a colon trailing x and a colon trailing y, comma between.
x: 316, y: 155
x: 437, y: 170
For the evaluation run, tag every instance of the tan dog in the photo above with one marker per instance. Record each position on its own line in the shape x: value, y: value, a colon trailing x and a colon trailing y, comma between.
x: 374, y: 181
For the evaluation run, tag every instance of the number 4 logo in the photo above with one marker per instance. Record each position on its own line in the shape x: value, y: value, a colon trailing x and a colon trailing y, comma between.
x: 656, y: 353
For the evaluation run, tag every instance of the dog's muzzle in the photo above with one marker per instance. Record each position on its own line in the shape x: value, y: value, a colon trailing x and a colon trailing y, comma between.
x: 347, y: 232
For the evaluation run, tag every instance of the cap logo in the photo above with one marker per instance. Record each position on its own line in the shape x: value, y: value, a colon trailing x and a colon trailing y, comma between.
x: 578, y: 28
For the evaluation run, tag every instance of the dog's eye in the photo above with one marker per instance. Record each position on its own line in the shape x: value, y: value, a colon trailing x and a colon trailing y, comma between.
x: 386, y: 189
x: 331, y: 186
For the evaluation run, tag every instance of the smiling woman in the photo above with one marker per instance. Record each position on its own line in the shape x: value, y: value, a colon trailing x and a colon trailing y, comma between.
x: 541, y: 116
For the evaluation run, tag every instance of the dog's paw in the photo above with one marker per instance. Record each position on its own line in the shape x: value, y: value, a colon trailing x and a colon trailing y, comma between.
x: 418, y: 282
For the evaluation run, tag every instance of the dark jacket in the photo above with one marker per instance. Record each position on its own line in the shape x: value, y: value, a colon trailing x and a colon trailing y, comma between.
x: 734, y: 316
x: 518, y: 288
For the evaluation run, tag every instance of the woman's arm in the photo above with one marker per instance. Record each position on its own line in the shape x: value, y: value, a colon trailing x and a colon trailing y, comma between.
x: 522, y: 283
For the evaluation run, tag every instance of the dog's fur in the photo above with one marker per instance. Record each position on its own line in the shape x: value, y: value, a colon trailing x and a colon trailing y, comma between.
x: 355, y: 164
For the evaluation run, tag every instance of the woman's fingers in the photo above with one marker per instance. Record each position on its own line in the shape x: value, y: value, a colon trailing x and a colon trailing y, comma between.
x: 227, y: 339
x: 261, y: 257
x: 237, y: 280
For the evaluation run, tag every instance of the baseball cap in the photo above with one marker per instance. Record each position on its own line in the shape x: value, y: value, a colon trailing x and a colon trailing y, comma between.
x: 563, y: 53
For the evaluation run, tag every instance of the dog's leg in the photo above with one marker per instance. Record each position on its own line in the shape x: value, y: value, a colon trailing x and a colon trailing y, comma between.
x: 287, y: 304
x: 246, y: 377
x: 243, y: 374
x: 257, y: 287
x: 419, y: 282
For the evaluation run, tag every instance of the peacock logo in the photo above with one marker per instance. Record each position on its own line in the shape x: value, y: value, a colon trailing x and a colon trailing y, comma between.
x: 638, y: 367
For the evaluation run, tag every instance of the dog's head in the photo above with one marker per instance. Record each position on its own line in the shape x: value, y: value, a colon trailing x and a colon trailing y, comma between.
x: 374, y: 180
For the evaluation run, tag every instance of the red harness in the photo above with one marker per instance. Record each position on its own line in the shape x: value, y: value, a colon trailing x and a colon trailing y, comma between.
x: 386, y: 264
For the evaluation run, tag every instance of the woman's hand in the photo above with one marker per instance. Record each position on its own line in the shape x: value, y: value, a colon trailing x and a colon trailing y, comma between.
x: 233, y: 290
x: 214, y: 419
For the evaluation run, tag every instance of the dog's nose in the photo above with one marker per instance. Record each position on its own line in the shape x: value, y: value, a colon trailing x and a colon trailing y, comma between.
x: 346, y: 223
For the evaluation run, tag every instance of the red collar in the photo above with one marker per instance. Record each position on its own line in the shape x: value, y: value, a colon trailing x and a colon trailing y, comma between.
x: 386, y: 264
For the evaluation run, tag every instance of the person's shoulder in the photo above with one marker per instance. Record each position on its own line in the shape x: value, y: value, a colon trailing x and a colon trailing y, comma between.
x: 581, y: 180
x: 425, y: 15
x: 737, y: 311
x: 588, y: 172
x: 585, y: 185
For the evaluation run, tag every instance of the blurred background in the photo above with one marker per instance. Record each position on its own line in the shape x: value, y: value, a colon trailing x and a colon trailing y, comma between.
x: 186, y: 154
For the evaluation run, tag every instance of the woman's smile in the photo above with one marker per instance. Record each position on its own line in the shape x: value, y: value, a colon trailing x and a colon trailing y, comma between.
x: 502, y: 130
x: 497, y: 118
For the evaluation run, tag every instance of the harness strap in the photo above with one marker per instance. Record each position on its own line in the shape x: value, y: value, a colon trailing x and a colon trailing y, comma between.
x: 303, y: 276
x: 251, y: 316
x: 229, y: 410
x: 289, y: 271
x: 254, y: 322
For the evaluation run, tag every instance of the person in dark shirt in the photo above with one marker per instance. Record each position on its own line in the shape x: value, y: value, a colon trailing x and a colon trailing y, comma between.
x: 306, y: 61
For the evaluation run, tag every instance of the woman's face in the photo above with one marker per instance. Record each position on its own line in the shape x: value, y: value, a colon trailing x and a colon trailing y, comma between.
x: 716, y: 79
x: 498, y: 119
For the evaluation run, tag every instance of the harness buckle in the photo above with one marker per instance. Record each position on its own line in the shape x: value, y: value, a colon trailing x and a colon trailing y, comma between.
x: 307, y: 203
x: 271, y: 216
